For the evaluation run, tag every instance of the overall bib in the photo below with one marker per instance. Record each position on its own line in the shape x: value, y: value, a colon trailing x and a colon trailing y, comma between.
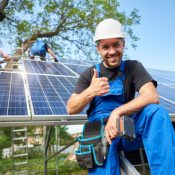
x: 103, y: 106
x: 153, y: 129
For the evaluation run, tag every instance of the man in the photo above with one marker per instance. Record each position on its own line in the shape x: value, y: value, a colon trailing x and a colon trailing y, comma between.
x: 4, y: 55
x: 40, y: 48
x: 110, y: 88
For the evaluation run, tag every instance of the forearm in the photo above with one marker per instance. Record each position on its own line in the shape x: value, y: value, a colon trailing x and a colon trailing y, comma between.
x: 77, y: 102
x: 127, y: 109
x: 52, y: 53
x: 137, y: 104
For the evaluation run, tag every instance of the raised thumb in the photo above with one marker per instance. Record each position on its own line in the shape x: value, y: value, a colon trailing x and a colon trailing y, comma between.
x: 95, y: 75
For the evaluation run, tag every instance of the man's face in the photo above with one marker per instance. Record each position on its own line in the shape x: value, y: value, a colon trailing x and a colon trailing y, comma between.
x: 111, y: 51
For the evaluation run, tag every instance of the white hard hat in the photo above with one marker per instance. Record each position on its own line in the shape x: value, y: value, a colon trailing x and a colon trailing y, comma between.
x: 109, y: 28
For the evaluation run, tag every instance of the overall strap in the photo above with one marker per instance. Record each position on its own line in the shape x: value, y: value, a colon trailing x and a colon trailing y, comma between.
x: 120, y: 74
x: 97, y: 66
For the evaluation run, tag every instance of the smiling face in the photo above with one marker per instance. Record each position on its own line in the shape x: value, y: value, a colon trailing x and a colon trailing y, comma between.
x: 111, y: 51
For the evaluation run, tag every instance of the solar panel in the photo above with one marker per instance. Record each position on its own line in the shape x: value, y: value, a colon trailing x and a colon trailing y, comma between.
x: 166, y: 88
x: 49, y: 94
x: 77, y: 68
x: 73, y: 61
x: 13, y: 103
x: 43, y: 67
x: 169, y: 105
x: 48, y: 85
x: 166, y: 77
x: 167, y: 92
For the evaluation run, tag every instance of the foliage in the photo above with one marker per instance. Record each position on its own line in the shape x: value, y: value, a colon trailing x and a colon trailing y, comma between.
x: 5, y: 166
x: 5, y: 139
x: 68, y: 25
x: 65, y: 137
x: 36, y: 165
x: 35, y: 151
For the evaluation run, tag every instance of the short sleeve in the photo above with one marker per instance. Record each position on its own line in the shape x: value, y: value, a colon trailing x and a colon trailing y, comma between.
x: 141, y: 76
x: 84, y: 81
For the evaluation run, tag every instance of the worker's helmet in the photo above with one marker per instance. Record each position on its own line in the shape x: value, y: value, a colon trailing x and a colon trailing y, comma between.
x: 109, y: 28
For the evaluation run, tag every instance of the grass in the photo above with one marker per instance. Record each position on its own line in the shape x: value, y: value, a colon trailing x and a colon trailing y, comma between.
x: 36, y: 166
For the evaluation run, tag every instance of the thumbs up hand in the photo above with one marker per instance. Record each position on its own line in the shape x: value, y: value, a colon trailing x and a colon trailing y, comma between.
x: 98, y: 86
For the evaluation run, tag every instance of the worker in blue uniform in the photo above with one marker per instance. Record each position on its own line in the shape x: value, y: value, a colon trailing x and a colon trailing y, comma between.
x: 40, y: 48
x: 109, y: 89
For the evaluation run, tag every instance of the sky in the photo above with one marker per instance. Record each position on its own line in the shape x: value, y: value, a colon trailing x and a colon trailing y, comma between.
x: 156, y: 47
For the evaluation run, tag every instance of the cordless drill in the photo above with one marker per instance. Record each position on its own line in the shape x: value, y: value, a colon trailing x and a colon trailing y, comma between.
x: 126, y: 129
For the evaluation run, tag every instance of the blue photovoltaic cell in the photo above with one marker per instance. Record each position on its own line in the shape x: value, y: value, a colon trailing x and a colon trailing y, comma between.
x: 166, y: 92
x: 28, y: 67
x: 167, y: 97
x: 56, y: 104
x: 4, y: 92
x: 73, y: 61
x: 12, y: 95
x: 166, y: 88
x: 49, y: 94
x: 42, y: 67
x: 39, y: 101
x: 163, y: 76
x: 168, y: 105
x: 77, y: 68
x: 62, y: 87
x: 17, y: 101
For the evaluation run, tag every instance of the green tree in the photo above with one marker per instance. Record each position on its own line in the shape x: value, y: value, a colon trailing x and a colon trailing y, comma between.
x: 65, y: 137
x: 67, y: 24
x: 3, y: 4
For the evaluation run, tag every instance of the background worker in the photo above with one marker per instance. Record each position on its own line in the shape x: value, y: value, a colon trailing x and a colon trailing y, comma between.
x: 4, y: 55
x: 40, y: 48
x: 110, y: 89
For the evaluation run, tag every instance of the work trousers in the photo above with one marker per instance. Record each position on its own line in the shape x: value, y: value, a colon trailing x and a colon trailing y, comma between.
x: 155, y: 132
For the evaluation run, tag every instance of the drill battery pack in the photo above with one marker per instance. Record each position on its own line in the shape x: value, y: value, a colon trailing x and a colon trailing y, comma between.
x: 126, y: 127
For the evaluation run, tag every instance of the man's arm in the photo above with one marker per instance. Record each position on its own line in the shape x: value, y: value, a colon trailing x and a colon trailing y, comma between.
x: 7, y: 58
x: 52, y: 53
x: 98, y: 87
x: 4, y: 55
x: 147, y: 95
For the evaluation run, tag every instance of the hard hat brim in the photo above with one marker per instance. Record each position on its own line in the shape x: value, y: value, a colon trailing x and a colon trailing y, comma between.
x: 97, y: 38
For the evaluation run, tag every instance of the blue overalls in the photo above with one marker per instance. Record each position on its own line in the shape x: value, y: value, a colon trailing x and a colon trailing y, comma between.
x: 152, y: 126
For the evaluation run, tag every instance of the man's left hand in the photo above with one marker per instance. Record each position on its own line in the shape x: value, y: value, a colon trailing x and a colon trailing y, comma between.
x: 112, y: 127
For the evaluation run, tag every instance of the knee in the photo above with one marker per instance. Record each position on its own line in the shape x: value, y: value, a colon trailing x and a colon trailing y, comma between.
x: 156, y: 111
x: 153, y: 107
